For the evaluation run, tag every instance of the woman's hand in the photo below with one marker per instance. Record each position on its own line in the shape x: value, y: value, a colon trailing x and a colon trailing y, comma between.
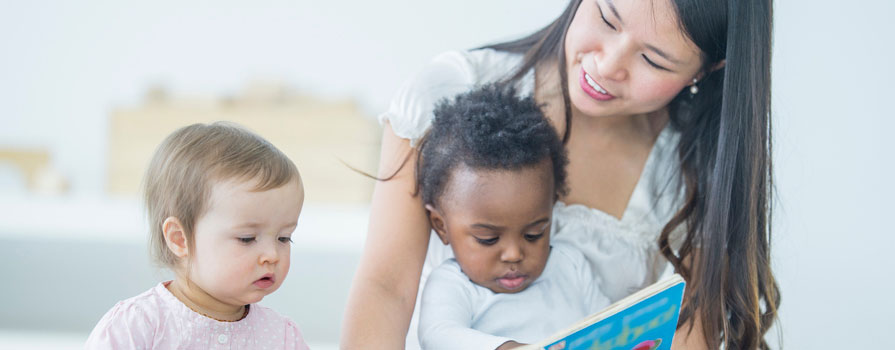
x: 509, y: 345
x: 385, y: 285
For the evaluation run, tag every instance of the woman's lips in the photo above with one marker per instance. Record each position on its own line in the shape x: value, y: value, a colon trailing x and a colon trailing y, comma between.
x: 592, y: 88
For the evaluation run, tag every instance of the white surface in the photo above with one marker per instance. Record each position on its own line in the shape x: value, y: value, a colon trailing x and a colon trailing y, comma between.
x: 67, y: 64
x: 14, y: 340
x: 321, y: 227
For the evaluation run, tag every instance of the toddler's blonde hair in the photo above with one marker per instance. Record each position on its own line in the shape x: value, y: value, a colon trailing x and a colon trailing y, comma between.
x: 190, y: 160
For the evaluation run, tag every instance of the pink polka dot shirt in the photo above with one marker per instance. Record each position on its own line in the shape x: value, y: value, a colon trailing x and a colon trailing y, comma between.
x: 158, y: 320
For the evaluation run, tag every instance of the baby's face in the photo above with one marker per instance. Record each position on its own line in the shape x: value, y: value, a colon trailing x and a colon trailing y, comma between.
x: 498, y: 224
x: 243, y: 241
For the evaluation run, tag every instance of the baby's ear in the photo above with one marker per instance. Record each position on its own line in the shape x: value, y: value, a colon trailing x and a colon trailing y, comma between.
x: 437, y: 222
x: 175, y: 237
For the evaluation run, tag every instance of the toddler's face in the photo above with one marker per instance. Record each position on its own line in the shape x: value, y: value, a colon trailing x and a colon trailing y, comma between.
x: 498, y: 224
x: 242, y: 242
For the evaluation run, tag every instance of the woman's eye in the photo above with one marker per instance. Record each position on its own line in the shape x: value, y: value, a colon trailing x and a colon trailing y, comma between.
x: 488, y: 241
x: 534, y: 237
x: 654, y: 63
x: 246, y: 239
x: 604, y: 18
x: 285, y: 239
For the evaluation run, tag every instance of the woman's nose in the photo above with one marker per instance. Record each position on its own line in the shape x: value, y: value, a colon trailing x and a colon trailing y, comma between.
x: 612, y: 63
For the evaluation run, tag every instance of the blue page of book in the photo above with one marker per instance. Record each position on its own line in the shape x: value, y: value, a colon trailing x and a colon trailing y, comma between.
x: 647, y: 325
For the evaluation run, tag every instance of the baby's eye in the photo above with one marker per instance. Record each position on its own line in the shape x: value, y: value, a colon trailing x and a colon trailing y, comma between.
x: 246, y: 239
x: 285, y: 239
x: 488, y: 241
x: 534, y: 237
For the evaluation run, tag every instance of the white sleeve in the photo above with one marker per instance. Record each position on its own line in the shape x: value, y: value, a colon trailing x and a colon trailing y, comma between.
x: 588, y: 281
x: 447, y: 310
x: 410, y: 111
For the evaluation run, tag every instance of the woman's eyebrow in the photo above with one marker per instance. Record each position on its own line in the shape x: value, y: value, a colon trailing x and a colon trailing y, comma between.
x: 662, y: 53
x: 614, y: 11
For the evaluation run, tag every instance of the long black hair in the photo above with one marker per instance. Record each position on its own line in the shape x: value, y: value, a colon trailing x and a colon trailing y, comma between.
x: 725, y: 162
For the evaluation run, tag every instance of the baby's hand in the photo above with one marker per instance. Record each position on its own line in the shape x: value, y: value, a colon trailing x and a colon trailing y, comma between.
x: 509, y: 345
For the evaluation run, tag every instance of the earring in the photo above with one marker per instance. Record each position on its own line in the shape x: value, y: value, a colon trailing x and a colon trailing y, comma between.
x: 693, y: 88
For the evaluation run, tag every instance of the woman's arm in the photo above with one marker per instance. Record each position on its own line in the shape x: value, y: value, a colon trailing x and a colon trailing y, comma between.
x: 385, y: 285
x: 687, y: 338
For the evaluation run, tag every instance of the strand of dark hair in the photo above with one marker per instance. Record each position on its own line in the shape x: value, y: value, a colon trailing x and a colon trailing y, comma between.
x: 545, y: 44
x: 726, y: 162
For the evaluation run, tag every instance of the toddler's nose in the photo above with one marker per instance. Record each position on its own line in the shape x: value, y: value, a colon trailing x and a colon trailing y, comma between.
x: 269, y: 255
x: 511, y: 254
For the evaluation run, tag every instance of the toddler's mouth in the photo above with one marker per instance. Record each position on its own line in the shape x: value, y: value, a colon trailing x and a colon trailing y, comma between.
x: 512, y: 281
x: 265, y: 281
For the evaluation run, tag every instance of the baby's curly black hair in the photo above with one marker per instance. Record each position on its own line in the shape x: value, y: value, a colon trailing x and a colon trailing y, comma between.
x: 488, y: 127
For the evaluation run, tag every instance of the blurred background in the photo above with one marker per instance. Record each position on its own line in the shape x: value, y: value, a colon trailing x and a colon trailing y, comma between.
x: 89, y: 88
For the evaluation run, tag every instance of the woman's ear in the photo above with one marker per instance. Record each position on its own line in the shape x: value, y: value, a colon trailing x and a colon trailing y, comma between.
x: 718, y: 65
x: 175, y: 237
x: 713, y: 69
x: 437, y: 222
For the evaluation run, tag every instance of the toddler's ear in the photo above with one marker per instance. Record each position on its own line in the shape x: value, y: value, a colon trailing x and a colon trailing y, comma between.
x: 437, y: 223
x: 175, y: 237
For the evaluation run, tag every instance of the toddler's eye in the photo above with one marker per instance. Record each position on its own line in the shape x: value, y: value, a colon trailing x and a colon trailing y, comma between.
x: 535, y: 237
x: 285, y: 239
x: 246, y: 239
x: 489, y: 241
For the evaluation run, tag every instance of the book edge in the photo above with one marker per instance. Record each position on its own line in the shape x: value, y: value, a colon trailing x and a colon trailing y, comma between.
x: 614, y: 308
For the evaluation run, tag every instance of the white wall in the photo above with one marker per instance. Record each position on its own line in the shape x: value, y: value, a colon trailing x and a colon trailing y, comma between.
x: 65, y: 64
x: 833, y: 91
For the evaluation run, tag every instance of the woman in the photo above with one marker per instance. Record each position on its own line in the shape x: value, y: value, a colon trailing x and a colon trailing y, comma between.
x: 664, y: 107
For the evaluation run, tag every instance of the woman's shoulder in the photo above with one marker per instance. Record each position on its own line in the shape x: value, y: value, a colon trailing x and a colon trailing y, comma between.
x: 479, y: 65
x: 447, y: 75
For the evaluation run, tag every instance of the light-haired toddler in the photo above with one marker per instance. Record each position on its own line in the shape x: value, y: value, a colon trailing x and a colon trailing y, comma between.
x: 222, y: 205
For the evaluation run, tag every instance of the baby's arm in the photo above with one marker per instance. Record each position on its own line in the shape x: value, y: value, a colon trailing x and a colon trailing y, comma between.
x: 446, y: 312
x: 125, y: 326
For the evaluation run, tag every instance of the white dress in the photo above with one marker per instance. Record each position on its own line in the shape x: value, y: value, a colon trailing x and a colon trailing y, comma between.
x: 623, y: 252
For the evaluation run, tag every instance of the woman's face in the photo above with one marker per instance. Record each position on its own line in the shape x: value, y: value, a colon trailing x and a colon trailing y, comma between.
x: 627, y: 57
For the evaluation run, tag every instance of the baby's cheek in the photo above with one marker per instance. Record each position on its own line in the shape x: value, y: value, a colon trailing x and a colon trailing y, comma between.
x: 284, y: 266
x: 477, y: 273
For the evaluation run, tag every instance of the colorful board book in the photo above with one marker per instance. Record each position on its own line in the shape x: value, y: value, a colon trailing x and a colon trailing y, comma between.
x: 645, y: 320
